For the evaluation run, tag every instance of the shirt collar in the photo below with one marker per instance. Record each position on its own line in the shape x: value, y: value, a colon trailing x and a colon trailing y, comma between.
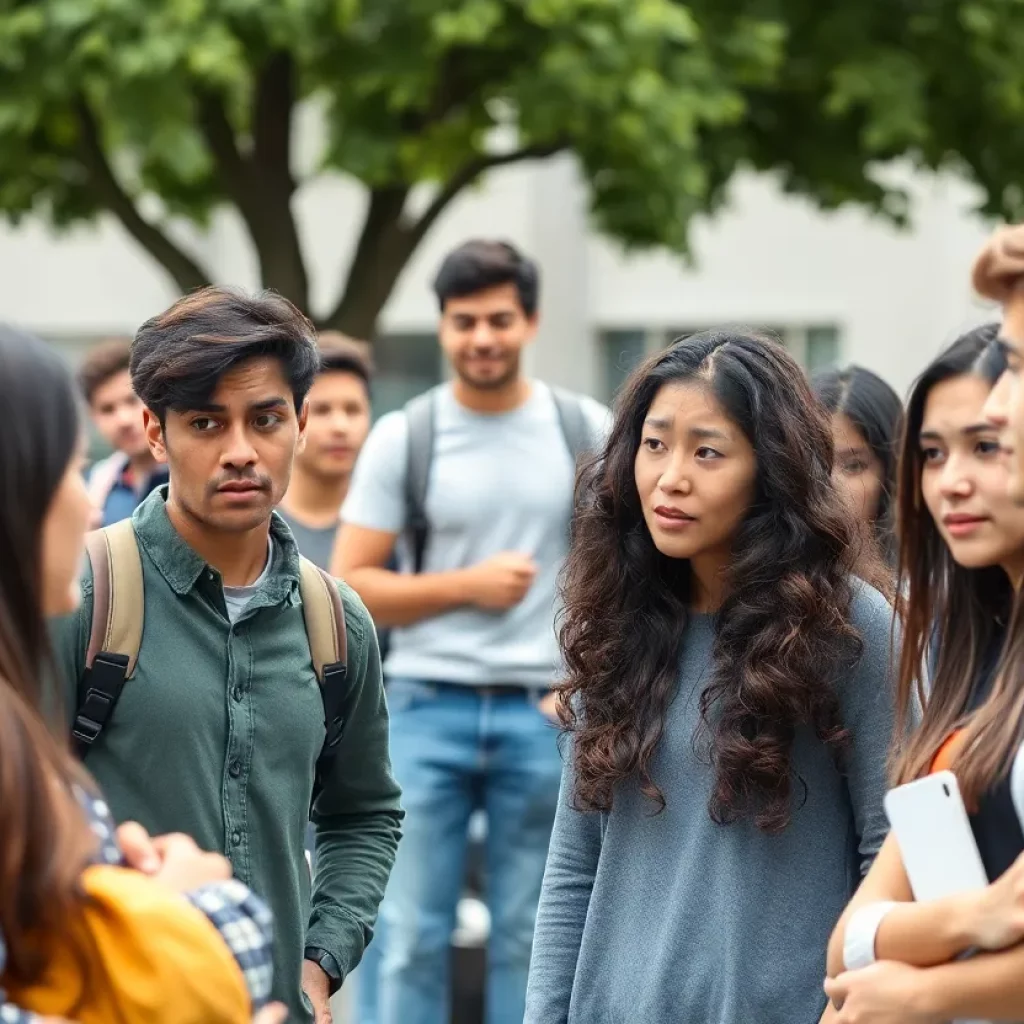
x: 182, y: 567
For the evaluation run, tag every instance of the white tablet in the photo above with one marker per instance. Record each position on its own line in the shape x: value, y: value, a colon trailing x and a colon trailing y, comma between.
x: 934, y: 834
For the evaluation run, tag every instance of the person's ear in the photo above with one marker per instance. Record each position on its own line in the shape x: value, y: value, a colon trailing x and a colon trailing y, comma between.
x: 155, y: 435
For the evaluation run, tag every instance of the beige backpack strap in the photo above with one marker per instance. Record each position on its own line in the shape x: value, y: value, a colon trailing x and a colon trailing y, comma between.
x: 118, y: 602
x: 328, y: 646
x: 324, y: 615
x: 116, y: 633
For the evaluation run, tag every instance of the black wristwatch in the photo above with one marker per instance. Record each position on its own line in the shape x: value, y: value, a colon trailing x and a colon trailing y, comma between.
x: 326, y: 963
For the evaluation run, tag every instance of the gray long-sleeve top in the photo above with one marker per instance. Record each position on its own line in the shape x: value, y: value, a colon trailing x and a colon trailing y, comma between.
x: 671, y: 918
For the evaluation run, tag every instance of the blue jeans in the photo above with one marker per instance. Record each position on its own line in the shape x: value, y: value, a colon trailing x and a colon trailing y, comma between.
x: 455, y: 750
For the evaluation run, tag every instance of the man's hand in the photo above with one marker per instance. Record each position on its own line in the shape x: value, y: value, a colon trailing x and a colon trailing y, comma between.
x: 887, y: 992
x: 501, y: 582
x: 317, y: 987
x: 549, y: 707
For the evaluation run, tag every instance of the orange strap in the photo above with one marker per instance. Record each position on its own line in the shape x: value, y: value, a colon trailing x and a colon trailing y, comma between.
x: 947, y: 752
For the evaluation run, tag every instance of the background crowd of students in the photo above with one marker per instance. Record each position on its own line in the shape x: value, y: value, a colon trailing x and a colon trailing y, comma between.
x: 779, y: 599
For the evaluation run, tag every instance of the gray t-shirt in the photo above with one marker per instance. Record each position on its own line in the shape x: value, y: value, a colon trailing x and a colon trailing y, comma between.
x: 236, y: 598
x: 498, y: 483
x: 671, y: 919
x: 315, y: 542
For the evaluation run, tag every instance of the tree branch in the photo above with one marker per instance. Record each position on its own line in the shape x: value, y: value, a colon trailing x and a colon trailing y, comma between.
x: 262, y: 192
x: 185, y: 271
x: 472, y: 170
x: 272, y: 117
x: 387, y: 239
x: 232, y: 168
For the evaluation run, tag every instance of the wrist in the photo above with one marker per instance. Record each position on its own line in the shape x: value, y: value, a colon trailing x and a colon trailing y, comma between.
x: 462, y: 587
x: 960, y: 924
x: 922, y: 999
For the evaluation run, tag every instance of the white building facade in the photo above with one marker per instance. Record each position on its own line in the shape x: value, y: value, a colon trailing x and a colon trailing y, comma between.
x: 843, y: 287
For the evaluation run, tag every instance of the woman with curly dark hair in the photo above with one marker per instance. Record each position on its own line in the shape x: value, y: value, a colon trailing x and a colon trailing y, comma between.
x: 728, y: 700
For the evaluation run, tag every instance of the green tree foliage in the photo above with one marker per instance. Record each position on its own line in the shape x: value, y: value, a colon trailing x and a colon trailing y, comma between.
x: 155, y: 110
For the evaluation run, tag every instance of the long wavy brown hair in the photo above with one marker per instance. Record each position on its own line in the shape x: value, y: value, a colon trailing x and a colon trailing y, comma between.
x: 954, y: 617
x: 44, y: 839
x: 783, y: 634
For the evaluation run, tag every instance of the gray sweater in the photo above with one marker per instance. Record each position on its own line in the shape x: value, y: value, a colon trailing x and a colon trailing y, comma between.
x: 671, y: 918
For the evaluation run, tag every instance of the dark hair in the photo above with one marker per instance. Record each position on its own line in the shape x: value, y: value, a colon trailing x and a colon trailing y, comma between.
x: 179, y: 357
x: 44, y: 840
x: 876, y: 411
x: 103, y: 361
x: 967, y: 609
x: 783, y: 634
x: 341, y: 354
x: 479, y: 264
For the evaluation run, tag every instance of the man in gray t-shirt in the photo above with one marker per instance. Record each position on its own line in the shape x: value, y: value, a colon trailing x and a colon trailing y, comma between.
x: 473, y: 649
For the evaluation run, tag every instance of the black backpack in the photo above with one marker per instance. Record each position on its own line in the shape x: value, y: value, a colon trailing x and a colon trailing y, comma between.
x: 421, y: 416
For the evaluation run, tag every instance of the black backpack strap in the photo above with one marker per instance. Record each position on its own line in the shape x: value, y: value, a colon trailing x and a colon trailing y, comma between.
x: 116, y: 633
x: 572, y: 420
x: 324, y: 616
x: 421, y: 415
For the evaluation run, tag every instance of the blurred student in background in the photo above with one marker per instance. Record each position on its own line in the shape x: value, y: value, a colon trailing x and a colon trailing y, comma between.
x: 118, y: 483
x: 867, y: 418
x: 337, y: 424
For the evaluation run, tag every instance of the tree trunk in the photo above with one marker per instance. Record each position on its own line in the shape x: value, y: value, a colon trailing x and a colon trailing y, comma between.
x: 277, y: 245
x: 385, y: 245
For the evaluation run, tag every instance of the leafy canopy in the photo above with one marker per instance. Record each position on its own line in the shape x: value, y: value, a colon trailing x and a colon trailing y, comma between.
x: 161, y: 109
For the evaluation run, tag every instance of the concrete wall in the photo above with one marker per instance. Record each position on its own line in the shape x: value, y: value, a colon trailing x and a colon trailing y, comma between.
x: 895, y: 297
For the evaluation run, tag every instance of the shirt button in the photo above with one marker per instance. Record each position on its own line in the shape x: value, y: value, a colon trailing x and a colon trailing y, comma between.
x: 235, y: 768
x: 237, y: 693
x: 236, y: 837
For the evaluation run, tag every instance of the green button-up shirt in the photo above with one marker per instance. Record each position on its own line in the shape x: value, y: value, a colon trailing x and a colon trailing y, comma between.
x: 218, y: 731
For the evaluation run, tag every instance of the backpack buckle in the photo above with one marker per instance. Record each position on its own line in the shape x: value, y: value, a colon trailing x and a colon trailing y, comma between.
x: 85, y: 730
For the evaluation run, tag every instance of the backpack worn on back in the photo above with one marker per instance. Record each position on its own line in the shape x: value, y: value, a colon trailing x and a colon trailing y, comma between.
x: 421, y: 414
x: 116, y: 635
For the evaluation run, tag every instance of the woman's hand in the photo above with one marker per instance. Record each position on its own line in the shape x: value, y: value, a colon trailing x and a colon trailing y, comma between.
x: 275, y: 1013
x: 183, y: 866
x: 887, y: 992
x: 173, y: 859
x: 995, y: 915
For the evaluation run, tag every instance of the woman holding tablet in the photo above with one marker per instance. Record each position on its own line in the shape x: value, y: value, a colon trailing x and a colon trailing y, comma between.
x: 962, y: 557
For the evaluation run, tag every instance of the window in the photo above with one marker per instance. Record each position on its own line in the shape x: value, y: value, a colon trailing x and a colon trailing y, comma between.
x: 407, y: 365
x: 822, y: 348
x: 813, y: 346
x: 622, y: 352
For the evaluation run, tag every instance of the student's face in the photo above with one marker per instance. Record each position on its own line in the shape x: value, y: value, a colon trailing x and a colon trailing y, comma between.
x: 336, y: 426
x: 484, y: 334
x: 230, y: 463
x: 857, y: 472
x: 117, y: 413
x: 1005, y: 409
x: 964, y: 477
x: 695, y: 473
x: 67, y: 520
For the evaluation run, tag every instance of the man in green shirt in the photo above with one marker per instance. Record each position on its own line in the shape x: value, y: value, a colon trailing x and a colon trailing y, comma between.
x: 217, y: 731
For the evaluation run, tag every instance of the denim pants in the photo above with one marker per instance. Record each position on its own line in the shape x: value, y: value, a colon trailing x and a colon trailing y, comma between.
x: 454, y: 750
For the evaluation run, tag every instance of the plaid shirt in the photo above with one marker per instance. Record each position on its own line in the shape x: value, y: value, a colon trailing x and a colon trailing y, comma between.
x: 244, y: 922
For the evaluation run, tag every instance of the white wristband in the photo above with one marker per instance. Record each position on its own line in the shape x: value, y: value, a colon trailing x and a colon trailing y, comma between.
x: 859, y: 939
